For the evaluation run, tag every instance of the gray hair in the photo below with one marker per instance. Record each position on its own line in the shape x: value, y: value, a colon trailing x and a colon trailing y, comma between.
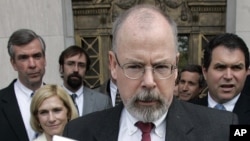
x: 23, y: 37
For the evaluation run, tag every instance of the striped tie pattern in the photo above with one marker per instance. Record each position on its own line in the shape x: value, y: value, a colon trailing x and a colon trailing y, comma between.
x: 73, y: 96
x: 117, y: 98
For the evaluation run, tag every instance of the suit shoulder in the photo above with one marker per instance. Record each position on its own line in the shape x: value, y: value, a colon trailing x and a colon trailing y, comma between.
x: 96, y: 93
x: 95, y: 119
x: 209, y: 114
x: 8, y: 89
x: 199, y: 101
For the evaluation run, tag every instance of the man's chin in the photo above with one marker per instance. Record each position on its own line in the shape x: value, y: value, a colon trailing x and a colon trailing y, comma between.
x: 75, y: 85
x: 35, y: 80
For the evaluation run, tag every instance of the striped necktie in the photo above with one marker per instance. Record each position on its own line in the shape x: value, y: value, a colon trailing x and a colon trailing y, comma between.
x: 73, y: 96
x: 117, y: 98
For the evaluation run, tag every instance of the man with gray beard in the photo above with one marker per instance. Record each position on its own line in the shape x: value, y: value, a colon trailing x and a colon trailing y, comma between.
x: 143, y: 61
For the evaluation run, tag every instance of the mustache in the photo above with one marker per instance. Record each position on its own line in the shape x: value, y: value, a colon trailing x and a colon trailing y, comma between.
x: 75, y: 75
x: 147, y: 95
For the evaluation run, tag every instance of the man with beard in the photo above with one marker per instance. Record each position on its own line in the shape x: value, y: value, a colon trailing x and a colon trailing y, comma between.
x: 74, y: 62
x: 143, y: 62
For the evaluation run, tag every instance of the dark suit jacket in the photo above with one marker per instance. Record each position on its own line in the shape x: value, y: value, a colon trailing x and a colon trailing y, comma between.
x: 12, y: 127
x: 241, y: 108
x: 185, y: 122
x: 246, y: 88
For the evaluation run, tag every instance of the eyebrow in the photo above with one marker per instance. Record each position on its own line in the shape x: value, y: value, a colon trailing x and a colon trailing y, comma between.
x: 135, y: 60
x: 236, y: 64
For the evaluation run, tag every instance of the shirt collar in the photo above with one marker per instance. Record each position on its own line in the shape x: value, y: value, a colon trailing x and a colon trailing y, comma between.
x: 23, y: 88
x: 228, y: 105
x: 160, y: 124
x: 78, y: 92
x: 113, y: 87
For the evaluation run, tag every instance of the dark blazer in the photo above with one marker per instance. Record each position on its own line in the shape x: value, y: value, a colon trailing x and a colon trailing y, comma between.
x: 185, y: 122
x: 241, y: 108
x: 12, y: 127
x: 246, y: 88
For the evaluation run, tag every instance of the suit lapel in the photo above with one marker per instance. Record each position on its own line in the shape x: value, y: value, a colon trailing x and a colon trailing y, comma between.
x: 88, y: 101
x: 13, y: 114
x: 178, y: 124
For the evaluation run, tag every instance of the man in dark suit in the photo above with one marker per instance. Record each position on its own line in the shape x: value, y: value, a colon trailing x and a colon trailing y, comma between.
x: 143, y: 63
x: 27, y: 56
x: 74, y: 62
x: 225, y: 68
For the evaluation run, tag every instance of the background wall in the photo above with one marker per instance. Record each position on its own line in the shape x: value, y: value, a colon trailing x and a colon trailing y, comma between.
x: 238, y: 18
x: 52, y: 19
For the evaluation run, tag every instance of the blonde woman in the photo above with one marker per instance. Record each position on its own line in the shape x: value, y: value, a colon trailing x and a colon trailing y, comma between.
x: 51, y: 109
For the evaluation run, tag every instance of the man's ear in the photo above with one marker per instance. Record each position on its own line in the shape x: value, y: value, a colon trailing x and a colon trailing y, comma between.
x: 113, y: 64
x: 204, y: 71
x: 13, y: 63
x: 177, y: 62
x: 177, y: 58
x: 61, y: 69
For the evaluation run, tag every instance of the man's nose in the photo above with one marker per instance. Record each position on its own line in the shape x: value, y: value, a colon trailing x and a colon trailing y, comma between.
x: 228, y: 74
x: 76, y: 68
x: 32, y: 62
x: 185, y: 86
x: 148, y: 78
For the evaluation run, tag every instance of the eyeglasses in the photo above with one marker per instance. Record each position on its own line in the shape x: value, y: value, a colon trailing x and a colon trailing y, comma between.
x: 136, y: 70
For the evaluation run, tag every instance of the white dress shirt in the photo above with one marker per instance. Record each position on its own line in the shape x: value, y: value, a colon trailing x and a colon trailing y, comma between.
x: 23, y: 95
x: 129, y: 132
x: 79, y: 99
x: 229, y: 106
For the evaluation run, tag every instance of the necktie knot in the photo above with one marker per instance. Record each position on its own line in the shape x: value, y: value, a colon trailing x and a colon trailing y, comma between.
x: 145, y: 129
x: 73, y: 96
x: 220, y: 107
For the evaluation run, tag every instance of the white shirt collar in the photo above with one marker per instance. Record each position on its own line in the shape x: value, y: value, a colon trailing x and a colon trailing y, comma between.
x: 78, y: 92
x: 23, y: 88
x: 113, y: 91
x: 228, y: 105
x: 160, y: 124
